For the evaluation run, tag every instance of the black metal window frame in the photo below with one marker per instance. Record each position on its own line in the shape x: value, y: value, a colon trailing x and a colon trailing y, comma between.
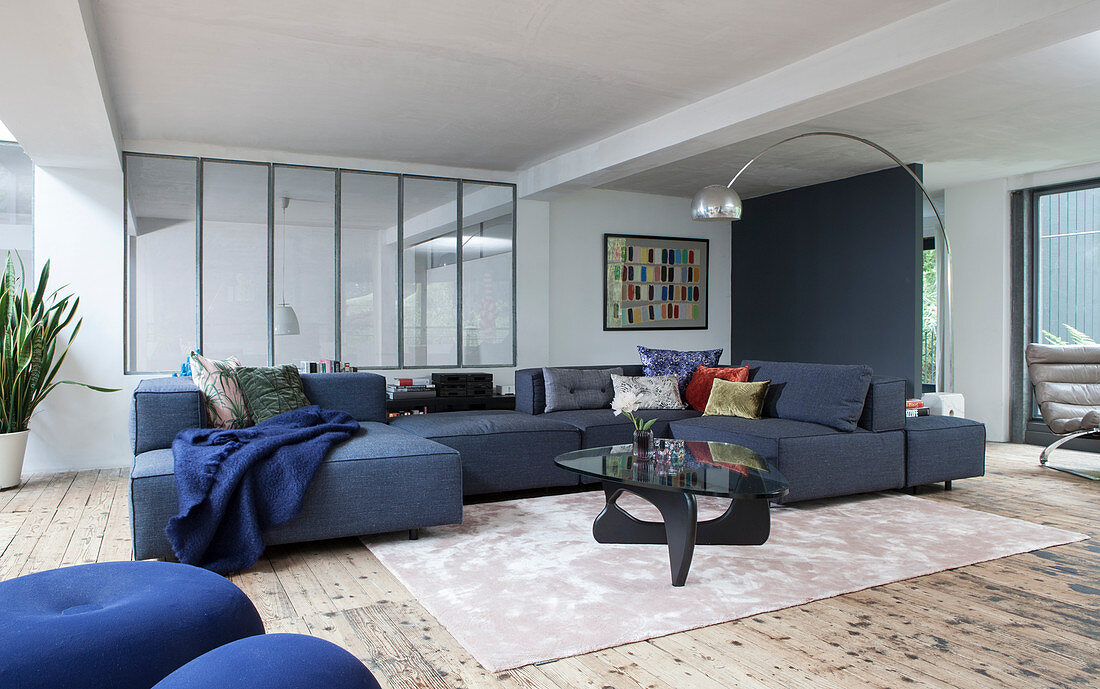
x: 1031, y: 223
x: 337, y: 229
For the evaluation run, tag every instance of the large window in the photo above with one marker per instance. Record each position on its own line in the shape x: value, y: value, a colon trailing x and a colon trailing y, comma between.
x: 929, y: 315
x: 1066, y: 230
x: 373, y: 267
x: 16, y: 200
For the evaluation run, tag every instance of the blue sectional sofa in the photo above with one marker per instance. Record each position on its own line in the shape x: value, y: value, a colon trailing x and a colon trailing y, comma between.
x: 384, y: 479
x: 830, y: 430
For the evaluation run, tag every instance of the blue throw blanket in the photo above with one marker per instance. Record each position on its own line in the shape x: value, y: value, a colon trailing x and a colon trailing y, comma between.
x: 234, y: 484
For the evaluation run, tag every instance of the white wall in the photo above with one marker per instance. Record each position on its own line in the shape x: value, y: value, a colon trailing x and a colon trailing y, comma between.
x: 559, y: 299
x: 577, y: 225
x: 78, y: 227
x: 978, y: 228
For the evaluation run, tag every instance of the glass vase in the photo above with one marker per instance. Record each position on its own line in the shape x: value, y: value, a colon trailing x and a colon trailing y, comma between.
x: 643, y: 445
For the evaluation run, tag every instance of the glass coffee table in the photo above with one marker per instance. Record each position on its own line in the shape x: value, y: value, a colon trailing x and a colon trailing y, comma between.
x: 702, y: 468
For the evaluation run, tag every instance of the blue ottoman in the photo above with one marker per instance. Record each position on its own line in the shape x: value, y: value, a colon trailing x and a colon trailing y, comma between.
x: 943, y: 448
x: 115, y: 624
x: 273, y: 661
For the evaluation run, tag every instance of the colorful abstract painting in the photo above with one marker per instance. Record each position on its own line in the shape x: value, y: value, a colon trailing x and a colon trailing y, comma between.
x: 654, y: 283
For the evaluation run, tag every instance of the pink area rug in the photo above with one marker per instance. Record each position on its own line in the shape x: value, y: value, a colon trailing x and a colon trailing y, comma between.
x: 523, y: 581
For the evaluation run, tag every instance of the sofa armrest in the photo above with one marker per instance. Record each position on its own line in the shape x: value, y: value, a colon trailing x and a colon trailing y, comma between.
x: 530, y: 391
x: 363, y: 395
x: 161, y: 408
x: 884, y: 409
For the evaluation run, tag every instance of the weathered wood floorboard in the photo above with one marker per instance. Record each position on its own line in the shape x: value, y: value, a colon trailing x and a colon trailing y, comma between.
x: 1022, y: 621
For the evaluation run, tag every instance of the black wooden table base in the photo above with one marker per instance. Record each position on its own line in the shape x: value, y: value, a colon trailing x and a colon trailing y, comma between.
x: 746, y: 522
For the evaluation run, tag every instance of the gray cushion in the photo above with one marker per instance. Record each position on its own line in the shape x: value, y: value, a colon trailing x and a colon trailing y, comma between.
x: 379, y: 481
x: 501, y: 450
x: 577, y: 388
x: 531, y: 387
x: 828, y: 394
x: 943, y: 448
x: 161, y: 408
x: 600, y: 427
x: 817, y: 461
x: 363, y: 395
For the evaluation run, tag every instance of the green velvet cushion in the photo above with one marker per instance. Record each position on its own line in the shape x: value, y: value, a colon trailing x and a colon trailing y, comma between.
x: 737, y: 399
x: 271, y: 390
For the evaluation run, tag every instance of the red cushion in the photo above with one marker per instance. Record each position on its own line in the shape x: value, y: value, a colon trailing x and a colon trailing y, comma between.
x: 698, y: 389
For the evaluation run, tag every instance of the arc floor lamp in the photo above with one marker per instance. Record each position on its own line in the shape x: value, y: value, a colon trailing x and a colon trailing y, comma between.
x: 723, y: 203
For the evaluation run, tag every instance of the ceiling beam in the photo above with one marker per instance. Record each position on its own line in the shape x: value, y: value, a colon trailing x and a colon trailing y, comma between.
x: 54, y: 98
x: 947, y: 39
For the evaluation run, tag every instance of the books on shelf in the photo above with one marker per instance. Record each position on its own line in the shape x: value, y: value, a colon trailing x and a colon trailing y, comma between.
x: 409, y: 389
x: 915, y: 407
x: 326, y: 366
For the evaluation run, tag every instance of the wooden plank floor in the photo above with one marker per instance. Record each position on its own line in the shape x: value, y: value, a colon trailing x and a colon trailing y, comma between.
x: 1030, y: 620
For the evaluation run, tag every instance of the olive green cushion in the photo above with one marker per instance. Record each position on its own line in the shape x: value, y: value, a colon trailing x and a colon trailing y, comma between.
x: 271, y: 390
x: 737, y: 399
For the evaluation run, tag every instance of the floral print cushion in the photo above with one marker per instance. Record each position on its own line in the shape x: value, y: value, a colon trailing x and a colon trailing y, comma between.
x: 648, y: 392
x: 669, y: 362
x: 217, y: 379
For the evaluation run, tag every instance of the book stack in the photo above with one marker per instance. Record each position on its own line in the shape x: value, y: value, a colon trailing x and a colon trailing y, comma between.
x: 409, y: 388
x: 915, y: 407
x: 326, y: 366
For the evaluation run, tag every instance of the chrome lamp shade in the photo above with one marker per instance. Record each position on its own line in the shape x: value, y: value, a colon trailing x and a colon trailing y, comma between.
x: 286, y: 321
x: 716, y: 202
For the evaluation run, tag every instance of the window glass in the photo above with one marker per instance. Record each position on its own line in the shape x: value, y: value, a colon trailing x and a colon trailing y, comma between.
x: 430, y: 290
x: 368, y: 269
x: 930, y: 313
x: 1068, y: 266
x: 285, y: 278
x: 160, y: 261
x: 305, y: 260
x: 487, y: 234
x: 234, y: 261
x: 16, y: 200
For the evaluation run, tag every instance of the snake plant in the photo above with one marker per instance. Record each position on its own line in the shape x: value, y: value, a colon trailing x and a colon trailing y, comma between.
x: 33, y: 328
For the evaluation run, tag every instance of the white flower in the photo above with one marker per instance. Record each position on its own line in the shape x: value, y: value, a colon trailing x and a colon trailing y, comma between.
x: 625, y: 403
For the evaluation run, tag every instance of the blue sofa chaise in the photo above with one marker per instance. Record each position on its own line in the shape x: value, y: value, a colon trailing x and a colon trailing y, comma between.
x: 381, y: 480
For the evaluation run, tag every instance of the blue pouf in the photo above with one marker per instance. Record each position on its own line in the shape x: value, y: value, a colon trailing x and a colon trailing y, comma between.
x: 115, y: 624
x: 273, y: 661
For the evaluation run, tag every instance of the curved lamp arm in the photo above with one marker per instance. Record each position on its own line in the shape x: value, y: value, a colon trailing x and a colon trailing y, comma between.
x: 872, y: 144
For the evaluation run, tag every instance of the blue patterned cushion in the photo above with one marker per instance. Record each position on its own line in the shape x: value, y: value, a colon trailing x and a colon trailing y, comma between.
x: 669, y: 362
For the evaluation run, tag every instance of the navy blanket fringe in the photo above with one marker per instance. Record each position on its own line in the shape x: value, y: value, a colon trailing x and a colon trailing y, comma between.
x: 234, y: 484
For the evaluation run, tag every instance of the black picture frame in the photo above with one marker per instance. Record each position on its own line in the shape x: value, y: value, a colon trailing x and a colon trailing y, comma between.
x: 610, y: 323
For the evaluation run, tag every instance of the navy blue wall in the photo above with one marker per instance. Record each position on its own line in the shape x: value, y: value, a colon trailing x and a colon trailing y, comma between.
x: 831, y: 274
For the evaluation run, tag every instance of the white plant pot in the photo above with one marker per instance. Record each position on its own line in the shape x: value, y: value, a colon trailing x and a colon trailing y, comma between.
x: 12, y: 448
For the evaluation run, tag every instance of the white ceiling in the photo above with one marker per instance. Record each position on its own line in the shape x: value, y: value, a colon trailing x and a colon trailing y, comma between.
x: 1037, y: 111
x: 494, y: 84
x: 657, y: 96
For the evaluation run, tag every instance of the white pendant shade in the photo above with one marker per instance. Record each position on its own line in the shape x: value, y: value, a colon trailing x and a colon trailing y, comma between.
x: 286, y: 321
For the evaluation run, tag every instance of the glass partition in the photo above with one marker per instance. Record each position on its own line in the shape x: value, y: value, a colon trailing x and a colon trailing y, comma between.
x: 430, y: 260
x: 234, y: 261
x: 160, y: 261
x: 368, y: 269
x: 487, y: 238
x: 376, y: 268
x: 305, y: 262
x: 16, y: 202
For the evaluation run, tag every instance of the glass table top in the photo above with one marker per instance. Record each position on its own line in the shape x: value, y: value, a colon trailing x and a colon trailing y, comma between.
x: 704, y: 468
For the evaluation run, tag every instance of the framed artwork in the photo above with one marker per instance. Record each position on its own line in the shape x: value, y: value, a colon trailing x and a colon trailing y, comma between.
x: 655, y: 283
